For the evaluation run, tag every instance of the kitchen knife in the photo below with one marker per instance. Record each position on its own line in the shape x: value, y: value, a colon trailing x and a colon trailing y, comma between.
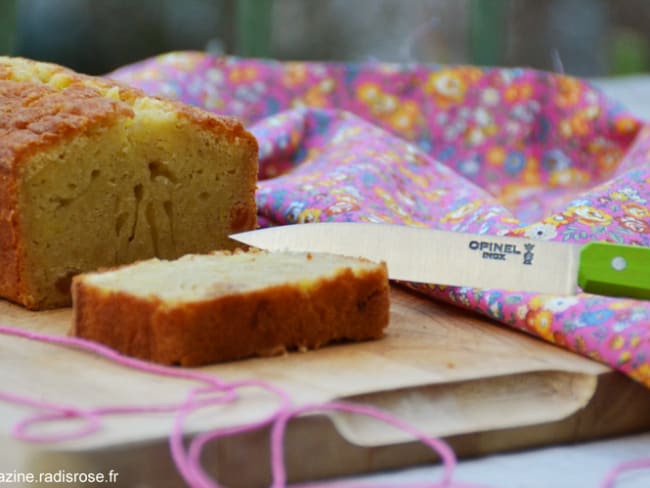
x: 482, y: 261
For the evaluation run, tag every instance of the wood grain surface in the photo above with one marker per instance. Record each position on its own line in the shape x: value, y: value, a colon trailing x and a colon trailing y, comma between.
x: 482, y: 387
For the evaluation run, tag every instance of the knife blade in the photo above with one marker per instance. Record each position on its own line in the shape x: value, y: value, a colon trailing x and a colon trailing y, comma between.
x: 440, y: 257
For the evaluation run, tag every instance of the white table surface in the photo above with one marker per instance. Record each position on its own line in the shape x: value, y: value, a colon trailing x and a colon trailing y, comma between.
x: 573, y: 466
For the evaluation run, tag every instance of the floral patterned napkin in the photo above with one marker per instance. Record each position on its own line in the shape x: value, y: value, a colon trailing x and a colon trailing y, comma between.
x: 498, y: 151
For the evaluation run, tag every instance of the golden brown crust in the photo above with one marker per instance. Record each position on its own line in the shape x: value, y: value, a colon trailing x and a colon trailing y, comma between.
x: 33, y: 114
x: 33, y: 117
x: 44, y: 105
x: 260, y: 323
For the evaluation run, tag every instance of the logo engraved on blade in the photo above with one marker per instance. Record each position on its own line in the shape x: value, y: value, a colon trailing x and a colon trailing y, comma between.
x: 494, y: 250
x: 529, y: 255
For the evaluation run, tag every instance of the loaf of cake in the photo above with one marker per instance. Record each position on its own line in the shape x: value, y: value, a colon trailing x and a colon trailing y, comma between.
x: 203, y: 309
x: 96, y: 174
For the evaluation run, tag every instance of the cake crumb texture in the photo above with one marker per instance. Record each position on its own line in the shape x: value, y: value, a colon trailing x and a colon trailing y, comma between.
x: 97, y: 174
x: 203, y: 309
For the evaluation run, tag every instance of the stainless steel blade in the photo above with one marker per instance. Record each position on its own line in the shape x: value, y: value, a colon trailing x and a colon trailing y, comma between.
x: 435, y: 256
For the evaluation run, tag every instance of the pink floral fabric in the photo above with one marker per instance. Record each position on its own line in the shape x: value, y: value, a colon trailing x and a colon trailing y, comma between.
x: 497, y: 151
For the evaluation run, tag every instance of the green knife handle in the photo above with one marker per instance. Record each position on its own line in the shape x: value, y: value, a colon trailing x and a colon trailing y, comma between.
x: 615, y: 270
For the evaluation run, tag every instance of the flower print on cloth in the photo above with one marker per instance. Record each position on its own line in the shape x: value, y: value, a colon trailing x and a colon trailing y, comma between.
x: 498, y: 151
x: 334, y: 170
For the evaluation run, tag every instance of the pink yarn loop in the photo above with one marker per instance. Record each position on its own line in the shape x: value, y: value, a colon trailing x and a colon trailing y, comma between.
x: 279, y: 428
x: 616, y: 471
x: 92, y: 424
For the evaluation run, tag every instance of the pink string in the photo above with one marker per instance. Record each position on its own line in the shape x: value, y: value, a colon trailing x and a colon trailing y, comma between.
x: 444, y: 451
x: 214, y: 392
x: 610, y: 480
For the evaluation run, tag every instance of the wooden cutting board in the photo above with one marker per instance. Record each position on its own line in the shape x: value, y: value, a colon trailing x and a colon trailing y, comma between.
x: 482, y: 387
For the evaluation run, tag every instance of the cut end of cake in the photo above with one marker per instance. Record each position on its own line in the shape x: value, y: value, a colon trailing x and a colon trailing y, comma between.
x: 203, y: 309
x: 96, y: 174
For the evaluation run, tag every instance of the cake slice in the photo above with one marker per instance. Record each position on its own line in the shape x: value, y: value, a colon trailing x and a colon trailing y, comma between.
x: 203, y: 309
x: 96, y: 174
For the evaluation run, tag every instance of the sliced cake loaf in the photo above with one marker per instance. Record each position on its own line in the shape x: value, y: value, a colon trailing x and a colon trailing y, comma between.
x: 96, y: 174
x: 202, y: 309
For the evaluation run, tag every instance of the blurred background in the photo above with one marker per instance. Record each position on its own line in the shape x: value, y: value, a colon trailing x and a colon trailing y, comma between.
x: 591, y: 38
